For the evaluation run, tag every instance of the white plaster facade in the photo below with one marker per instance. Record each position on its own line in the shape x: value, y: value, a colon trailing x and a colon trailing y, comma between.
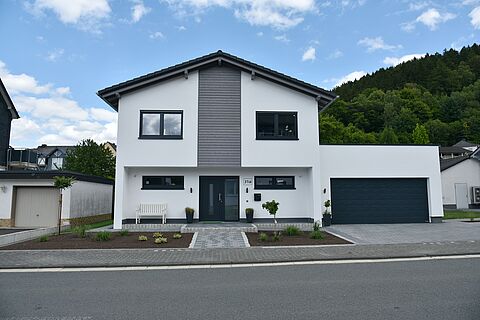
x: 311, y: 164
x: 466, y: 172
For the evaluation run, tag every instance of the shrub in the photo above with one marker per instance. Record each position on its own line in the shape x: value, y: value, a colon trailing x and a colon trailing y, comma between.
x: 316, y: 235
x: 177, y: 236
x: 80, y: 231
x: 276, y: 236
x: 103, y: 236
x: 160, y: 240
x: 316, y: 226
x: 157, y: 235
x: 124, y: 233
x: 189, y: 210
x: 43, y: 238
x: 263, y: 237
x: 142, y: 238
x: 292, y: 231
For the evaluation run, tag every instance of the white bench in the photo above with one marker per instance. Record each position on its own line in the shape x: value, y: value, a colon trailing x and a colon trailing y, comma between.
x: 151, y: 210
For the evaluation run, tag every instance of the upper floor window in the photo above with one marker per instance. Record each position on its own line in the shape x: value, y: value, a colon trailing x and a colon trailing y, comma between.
x: 276, y: 125
x: 161, y: 124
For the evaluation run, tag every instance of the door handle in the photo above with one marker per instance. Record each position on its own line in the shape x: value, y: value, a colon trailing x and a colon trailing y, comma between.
x: 219, y: 197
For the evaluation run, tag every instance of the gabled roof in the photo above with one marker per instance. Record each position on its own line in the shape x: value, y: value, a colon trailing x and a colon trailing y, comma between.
x: 4, y: 95
x: 47, y: 151
x: 464, y: 143
x: 112, y: 94
x: 456, y: 150
x: 448, y: 163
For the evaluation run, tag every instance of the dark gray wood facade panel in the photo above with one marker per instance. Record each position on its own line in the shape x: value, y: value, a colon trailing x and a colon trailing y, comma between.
x: 219, y: 111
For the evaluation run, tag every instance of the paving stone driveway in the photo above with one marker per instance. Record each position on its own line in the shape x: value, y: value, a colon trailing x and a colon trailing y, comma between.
x: 450, y: 230
x: 219, y: 239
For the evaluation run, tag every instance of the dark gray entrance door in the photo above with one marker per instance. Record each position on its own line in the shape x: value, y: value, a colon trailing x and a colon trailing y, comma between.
x: 379, y: 200
x: 219, y: 199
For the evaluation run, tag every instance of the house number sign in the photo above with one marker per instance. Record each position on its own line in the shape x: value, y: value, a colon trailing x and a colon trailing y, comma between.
x: 247, y: 181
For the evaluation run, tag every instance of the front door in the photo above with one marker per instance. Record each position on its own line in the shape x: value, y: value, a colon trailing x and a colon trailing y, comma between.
x: 219, y: 199
x: 461, y: 195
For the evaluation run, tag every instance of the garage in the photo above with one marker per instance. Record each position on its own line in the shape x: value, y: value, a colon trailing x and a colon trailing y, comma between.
x: 379, y: 200
x: 36, y: 206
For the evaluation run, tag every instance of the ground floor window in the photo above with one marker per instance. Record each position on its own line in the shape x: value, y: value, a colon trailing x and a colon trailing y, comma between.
x: 163, y: 182
x: 275, y: 182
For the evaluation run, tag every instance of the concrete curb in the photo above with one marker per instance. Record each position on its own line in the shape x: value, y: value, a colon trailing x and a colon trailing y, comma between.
x: 21, y: 236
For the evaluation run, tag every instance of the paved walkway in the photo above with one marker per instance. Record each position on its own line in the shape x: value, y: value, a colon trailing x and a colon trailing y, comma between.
x: 159, y: 257
x: 219, y: 239
x: 449, y: 230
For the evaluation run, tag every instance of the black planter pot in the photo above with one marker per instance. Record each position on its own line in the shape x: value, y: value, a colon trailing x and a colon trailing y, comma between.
x: 326, y: 220
x: 189, y: 217
x: 249, y: 217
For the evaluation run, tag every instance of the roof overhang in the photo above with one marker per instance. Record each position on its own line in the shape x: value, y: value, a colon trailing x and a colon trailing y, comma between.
x: 8, y: 101
x: 112, y: 95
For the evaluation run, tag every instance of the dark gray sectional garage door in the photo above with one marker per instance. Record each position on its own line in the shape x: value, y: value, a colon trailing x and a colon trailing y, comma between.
x: 379, y: 200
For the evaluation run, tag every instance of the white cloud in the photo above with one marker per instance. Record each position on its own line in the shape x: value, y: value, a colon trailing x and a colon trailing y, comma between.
x: 279, y: 14
x: 17, y: 83
x: 282, y: 38
x: 335, y: 55
x: 408, y: 26
x: 181, y: 28
x: 432, y: 18
x: 54, y: 55
x: 156, y: 35
x: 85, y: 14
x: 475, y: 17
x: 355, y: 75
x: 416, y: 6
x: 374, y: 44
x: 139, y: 10
x: 393, y: 61
x: 49, y: 115
x: 260, y: 34
x: 309, y: 54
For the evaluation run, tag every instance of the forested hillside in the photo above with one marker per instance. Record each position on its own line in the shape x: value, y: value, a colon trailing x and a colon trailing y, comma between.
x: 435, y: 99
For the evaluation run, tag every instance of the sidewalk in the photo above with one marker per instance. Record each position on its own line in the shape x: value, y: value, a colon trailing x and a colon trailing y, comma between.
x: 162, y: 257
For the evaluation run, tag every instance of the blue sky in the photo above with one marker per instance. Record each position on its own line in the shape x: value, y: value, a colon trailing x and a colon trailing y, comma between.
x: 57, y: 54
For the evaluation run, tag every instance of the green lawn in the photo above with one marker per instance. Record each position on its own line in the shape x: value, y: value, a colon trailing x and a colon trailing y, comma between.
x: 99, y: 224
x: 459, y: 214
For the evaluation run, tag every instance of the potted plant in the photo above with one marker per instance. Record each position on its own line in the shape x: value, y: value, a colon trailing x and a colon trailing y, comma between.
x: 327, y: 215
x: 189, y: 214
x: 249, y: 215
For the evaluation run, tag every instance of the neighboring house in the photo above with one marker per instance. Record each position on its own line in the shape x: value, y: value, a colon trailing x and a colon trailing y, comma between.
x: 453, y: 152
x: 42, y: 158
x: 466, y: 145
x: 221, y: 134
x: 52, y: 157
x: 7, y: 114
x: 28, y: 199
x: 461, y: 181
x: 111, y: 146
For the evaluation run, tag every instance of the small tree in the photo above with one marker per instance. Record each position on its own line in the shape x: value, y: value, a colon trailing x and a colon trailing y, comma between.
x: 420, y: 135
x: 272, y: 208
x: 61, y: 183
x: 388, y: 136
x: 89, y: 157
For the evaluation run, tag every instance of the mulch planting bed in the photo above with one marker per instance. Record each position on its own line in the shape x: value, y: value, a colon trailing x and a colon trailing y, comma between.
x: 299, y: 240
x: 117, y: 241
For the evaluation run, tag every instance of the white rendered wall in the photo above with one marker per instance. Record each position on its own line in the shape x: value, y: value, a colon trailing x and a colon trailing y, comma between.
x: 175, y: 94
x: 90, y: 198
x: 264, y: 95
x: 468, y: 172
x: 364, y: 161
x: 293, y: 203
x: 6, y: 198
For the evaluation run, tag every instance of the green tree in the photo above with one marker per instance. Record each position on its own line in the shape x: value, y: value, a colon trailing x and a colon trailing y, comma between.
x: 331, y: 130
x: 388, y: 136
x: 90, y: 158
x: 420, y: 135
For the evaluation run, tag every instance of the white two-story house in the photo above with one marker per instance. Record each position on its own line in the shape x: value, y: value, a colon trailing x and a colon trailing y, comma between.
x: 221, y: 134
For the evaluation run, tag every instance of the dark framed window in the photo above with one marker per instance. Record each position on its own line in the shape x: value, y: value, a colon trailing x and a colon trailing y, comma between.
x: 161, y: 124
x: 277, y: 125
x: 275, y: 182
x: 162, y: 182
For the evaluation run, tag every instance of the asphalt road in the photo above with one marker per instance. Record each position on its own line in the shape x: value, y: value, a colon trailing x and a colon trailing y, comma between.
x: 439, y: 289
